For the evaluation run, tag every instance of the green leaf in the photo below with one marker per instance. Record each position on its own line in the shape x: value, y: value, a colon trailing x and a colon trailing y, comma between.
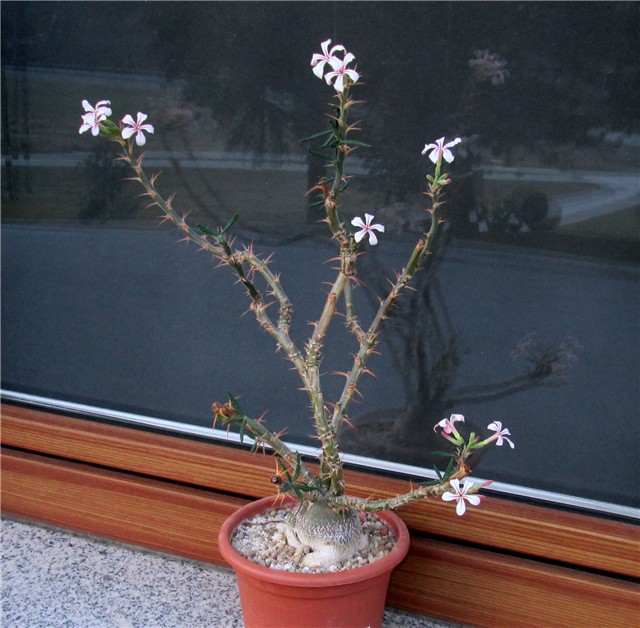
x: 315, y: 136
x: 331, y: 141
x: 356, y: 143
x: 235, y: 405
x: 321, y: 155
x: 430, y: 482
x: 205, y: 230
x: 449, y: 468
x: 446, y: 454
x: 232, y: 221
x: 296, y: 490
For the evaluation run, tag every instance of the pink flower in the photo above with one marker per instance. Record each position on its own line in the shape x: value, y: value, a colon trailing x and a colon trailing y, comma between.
x: 366, y: 228
x: 318, y: 61
x: 447, y: 424
x: 340, y: 70
x: 93, y: 117
x: 440, y: 150
x: 459, y: 494
x: 501, y: 435
x: 136, y: 127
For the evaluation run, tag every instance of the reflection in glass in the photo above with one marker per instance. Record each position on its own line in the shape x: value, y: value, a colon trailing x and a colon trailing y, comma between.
x: 529, y: 310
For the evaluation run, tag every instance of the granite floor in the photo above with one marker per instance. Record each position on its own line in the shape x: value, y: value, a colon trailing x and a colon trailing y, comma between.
x: 53, y: 578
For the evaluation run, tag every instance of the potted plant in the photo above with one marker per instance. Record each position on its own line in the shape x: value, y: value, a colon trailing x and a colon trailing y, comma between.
x: 320, y: 529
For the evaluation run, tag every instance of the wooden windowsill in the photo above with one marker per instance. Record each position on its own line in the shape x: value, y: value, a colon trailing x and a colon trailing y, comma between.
x: 172, y: 493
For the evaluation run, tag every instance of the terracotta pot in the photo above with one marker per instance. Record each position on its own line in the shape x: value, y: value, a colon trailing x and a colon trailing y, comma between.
x: 273, y: 598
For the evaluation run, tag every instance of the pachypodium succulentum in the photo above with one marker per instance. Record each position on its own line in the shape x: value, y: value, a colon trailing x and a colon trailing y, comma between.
x: 326, y: 519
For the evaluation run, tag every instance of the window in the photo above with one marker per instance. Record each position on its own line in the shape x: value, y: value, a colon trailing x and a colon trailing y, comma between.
x: 528, y: 313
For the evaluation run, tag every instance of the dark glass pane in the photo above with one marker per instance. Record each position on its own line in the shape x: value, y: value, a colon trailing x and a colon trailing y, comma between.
x: 526, y: 314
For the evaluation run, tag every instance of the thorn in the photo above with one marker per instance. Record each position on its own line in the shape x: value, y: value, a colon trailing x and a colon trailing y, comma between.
x: 267, y: 261
x: 281, y: 433
x: 348, y: 422
x: 278, y: 498
x: 352, y: 389
x: 323, y: 188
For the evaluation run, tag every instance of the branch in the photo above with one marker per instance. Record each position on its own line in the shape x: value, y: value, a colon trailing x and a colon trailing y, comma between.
x: 423, y: 491
x: 368, y: 340
x: 231, y: 414
x: 220, y: 249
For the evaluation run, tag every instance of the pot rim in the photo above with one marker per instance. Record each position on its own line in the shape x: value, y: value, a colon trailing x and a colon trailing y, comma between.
x: 243, y: 565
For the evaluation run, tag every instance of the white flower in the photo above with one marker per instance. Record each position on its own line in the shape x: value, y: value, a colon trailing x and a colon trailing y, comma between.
x: 440, y: 150
x: 136, y: 127
x: 340, y: 70
x: 366, y: 228
x: 318, y: 61
x: 93, y: 117
x: 501, y: 435
x: 459, y: 494
x: 339, y: 66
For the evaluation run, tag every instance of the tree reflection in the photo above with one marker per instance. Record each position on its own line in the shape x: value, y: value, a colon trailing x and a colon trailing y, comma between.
x: 426, y: 349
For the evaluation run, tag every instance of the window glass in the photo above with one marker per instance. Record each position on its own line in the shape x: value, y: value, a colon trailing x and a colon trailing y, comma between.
x: 527, y: 313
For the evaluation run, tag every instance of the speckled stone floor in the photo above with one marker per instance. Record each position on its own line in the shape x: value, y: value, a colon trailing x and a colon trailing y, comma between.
x: 52, y: 578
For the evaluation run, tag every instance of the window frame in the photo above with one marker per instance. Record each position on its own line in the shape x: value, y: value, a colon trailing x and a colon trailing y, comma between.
x: 171, y: 493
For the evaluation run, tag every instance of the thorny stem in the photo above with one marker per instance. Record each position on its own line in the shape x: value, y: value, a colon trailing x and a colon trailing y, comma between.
x: 260, y: 434
x: 331, y: 468
x: 459, y: 471
x: 331, y: 480
x: 368, y: 340
x: 331, y: 473
x: 331, y: 200
x: 235, y: 259
x: 415, y: 494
